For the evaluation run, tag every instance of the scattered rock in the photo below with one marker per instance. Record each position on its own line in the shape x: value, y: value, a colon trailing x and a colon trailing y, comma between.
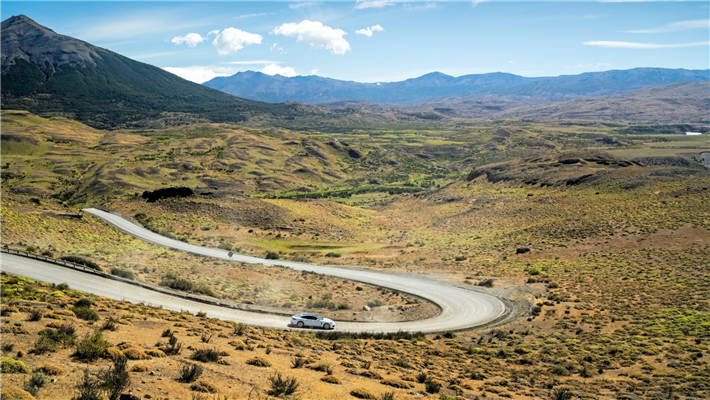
x: 366, y: 308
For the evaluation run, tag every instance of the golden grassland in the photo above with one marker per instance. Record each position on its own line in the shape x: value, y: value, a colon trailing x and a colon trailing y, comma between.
x: 618, y: 271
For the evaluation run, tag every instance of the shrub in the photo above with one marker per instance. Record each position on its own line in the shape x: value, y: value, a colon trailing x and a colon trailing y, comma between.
x: 123, y: 273
x: 449, y: 335
x: 432, y: 386
x: 402, y: 362
x: 15, y: 393
x: 387, y: 396
x: 35, y: 315
x: 206, y: 355
x: 204, y: 386
x: 84, y: 302
x: 140, y: 368
x: 486, y: 283
x: 88, y: 388
x: 334, y: 254
x: 396, y: 383
x: 272, y: 256
x: 135, y: 353
x: 85, y: 313
x: 11, y: 366
x: 115, y: 379
x: 173, y: 348
x: 258, y: 362
x: 322, y: 367
x: 82, y: 261
x: 50, y: 369
x: 50, y: 339
x: 281, y: 385
x: 361, y: 393
x: 190, y: 372
x: 35, y: 383
x: 331, y: 379
x: 422, y: 377
x: 91, y: 347
x: 109, y: 325
x: 298, y: 362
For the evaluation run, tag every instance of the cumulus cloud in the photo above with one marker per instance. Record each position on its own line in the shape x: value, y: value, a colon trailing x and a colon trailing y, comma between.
x: 316, y: 34
x: 645, y: 46
x: 201, y: 74
x: 191, y: 39
x: 274, y: 69
x: 368, y: 31
x: 231, y: 40
x: 676, y: 26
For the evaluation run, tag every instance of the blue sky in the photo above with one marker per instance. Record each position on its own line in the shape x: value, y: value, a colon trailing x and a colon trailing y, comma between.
x: 385, y: 40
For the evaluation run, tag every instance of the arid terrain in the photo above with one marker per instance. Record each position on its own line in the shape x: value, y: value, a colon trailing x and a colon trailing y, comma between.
x: 602, y: 228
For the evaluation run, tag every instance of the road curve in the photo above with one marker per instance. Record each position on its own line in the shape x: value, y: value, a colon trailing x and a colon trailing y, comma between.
x: 461, y: 308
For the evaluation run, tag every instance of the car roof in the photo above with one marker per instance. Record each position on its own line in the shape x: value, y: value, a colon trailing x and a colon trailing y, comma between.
x: 306, y: 314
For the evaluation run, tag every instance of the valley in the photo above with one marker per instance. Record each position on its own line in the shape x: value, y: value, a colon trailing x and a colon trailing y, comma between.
x: 483, y: 236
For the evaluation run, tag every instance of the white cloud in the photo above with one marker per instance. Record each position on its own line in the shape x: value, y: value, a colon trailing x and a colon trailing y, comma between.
x: 252, y: 15
x: 275, y: 46
x: 233, y: 39
x: 368, y: 31
x: 360, y: 5
x: 632, y: 45
x: 274, y: 69
x: 191, y: 39
x: 200, y: 74
x: 203, y: 73
x: 314, y: 71
x: 214, y: 32
x: 303, y: 4
x: 676, y: 26
x: 316, y: 34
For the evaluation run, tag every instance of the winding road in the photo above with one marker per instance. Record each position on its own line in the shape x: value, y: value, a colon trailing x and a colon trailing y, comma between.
x: 461, y: 308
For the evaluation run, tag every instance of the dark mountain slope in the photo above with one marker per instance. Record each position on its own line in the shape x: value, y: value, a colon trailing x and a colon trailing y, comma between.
x: 48, y: 73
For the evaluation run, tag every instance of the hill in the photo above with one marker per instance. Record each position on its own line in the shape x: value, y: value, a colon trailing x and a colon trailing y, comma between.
x: 677, y: 102
x: 52, y: 74
x: 435, y: 86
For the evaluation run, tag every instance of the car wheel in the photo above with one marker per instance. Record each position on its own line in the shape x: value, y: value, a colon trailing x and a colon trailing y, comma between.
x: 300, y: 324
x: 326, y: 326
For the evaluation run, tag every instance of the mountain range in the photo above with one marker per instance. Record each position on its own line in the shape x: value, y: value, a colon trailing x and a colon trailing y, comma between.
x: 48, y: 73
x: 436, y: 86
x: 51, y: 74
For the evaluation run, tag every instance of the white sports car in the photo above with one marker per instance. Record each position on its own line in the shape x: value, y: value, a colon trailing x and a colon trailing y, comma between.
x: 313, y: 321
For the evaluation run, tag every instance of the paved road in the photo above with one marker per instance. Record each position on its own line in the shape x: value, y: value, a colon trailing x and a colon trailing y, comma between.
x: 460, y: 308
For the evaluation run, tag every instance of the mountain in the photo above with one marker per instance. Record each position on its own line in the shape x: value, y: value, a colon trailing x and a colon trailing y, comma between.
x: 48, y: 73
x: 436, y: 86
x: 674, y: 103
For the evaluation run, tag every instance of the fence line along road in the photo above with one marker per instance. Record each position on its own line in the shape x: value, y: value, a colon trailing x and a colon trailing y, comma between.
x: 460, y: 307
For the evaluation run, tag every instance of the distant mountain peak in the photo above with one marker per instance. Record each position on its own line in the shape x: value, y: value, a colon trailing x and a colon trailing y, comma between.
x: 25, y: 39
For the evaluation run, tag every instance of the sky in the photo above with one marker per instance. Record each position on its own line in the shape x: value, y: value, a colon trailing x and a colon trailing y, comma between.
x: 387, y: 40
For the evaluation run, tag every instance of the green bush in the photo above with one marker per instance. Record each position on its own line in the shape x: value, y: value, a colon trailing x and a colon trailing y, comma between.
x: 123, y: 273
x: 272, y: 256
x: 91, y: 347
x: 82, y: 261
x: 281, y: 385
x: 11, y: 366
x: 85, y: 313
